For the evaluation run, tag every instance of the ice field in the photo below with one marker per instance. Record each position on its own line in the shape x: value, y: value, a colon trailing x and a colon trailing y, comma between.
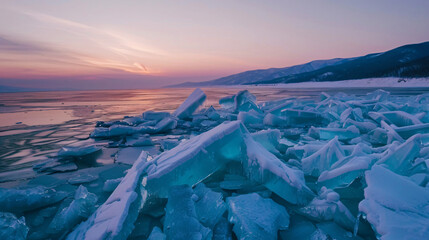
x: 339, y: 166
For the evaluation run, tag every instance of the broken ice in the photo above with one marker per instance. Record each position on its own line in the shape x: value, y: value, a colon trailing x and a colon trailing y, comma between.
x: 338, y: 167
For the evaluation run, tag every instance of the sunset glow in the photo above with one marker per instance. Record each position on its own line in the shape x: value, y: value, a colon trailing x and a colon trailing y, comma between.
x: 156, y: 43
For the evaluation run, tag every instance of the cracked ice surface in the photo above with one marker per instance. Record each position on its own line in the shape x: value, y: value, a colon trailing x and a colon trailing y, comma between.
x: 339, y: 167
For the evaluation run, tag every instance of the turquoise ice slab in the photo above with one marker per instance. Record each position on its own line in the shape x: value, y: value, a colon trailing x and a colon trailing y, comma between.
x: 188, y: 107
x: 181, y: 220
x: 255, y: 217
x: 115, y: 218
x: 396, y: 207
x: 12, y: 227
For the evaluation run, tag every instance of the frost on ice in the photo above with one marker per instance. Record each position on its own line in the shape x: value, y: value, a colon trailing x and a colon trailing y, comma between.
x: 335, y: 167
x: 396, y: 207
x: 255, y: 217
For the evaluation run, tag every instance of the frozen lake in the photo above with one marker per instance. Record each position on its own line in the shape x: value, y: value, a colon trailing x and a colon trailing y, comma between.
x: 299, y: 161
x: 36, y: 124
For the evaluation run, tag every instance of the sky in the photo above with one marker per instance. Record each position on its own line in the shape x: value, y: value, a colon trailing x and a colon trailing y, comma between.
x: 106, y: 44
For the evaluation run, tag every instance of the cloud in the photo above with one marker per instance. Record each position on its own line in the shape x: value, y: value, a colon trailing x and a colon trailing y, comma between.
x: 14, y: 46
x: 73, y: 44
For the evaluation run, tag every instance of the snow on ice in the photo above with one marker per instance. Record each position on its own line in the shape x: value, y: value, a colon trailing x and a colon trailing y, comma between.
x: 335, y: 167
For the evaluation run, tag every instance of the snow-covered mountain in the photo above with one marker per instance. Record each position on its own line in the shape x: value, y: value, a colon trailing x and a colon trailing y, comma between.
x: 408, y: 61
x: 405, y: 61
x: 261, y: 75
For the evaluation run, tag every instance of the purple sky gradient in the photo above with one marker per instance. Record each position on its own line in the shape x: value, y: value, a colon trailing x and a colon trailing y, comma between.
x: 146, y: 44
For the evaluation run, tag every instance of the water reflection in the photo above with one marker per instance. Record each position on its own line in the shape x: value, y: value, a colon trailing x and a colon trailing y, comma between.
x: 49, y: 120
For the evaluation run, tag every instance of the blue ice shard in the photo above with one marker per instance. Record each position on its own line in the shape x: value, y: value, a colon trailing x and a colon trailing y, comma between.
x: 21, y: 200
x: 399, y: 118
x: 209, y: 206
x: 346, y: 170
x: 245, y: 101
x: 155, y: 116
x: 343, y: 134
x: 12, y: 227
x: 222, y: 230
x: 250, y: 118
x: 195, y: 159
x: 323, y: 159
x: 115, y: 218
x: 79, y: 209
x: 157, y: 234
x: 263, y: 167
x: 328, y: 207
x: 268, y: 138
x: 78, y: 151
x: 181, y: 220
x: 188, y: 107
x: 275, y: 121
x: 401, y: 159
x: 302, y: 117
x: 255, y: 217
x: 396, y: 207
x: 409, y: 131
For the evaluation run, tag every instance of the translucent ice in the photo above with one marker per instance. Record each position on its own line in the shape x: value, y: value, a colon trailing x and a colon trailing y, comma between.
x: 409, y: 131
x: 396, y: 207
x: 364, y: 126
x: 250, y: 118
x: 212, y: 114
x: 137, y: 141
x: 233, y: 182
x: 275, y: 121
x: 168, y: 144
x: 343, y: 173
x: 323, y: 159
x: 222, y: 230
x: 195, y: 159
x: 128, y: 155
x: 299, y: 228
x: 11, y: 227
x: 55, y: 165
x: 302, y: 118
x: 401, y: 159
x: 332, y: 231
x: 263, y: 167
x: 180, y: 216
x: 70, y: 151
x: 255, y: 217
x: 82, y: 178
x: 399, y: 118
x: 245, y: 101
x: 79, y: 209
x: 268, y: 138
x: 157, y: 116
x: 209, y: 206
x: 115, y: 218
x: 191, y: 104
x: 342, y: 134
x: 157, y: 234
x: 327, y: 207
x: 111, y: 184
x: 20, y: 200
x: 165, y: 125
x: 347, y: 169
x: 227, y: 102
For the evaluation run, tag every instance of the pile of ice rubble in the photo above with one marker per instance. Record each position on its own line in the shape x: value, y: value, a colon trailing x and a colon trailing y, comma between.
x: 340, y: 167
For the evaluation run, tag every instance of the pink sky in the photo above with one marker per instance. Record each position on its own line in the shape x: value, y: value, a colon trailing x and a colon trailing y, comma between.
x: 154, y: 43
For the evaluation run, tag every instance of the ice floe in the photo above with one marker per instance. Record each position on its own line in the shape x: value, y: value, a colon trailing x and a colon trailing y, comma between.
x: 335, y: 167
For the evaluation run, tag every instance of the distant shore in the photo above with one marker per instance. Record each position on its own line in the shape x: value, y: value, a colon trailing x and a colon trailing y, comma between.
x: 391, y: 82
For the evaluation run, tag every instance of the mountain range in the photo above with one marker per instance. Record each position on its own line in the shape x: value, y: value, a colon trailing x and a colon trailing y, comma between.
x: 406, y: 61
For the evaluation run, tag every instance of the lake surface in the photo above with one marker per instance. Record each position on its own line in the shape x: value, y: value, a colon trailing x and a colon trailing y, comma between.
x: 36, y: 124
